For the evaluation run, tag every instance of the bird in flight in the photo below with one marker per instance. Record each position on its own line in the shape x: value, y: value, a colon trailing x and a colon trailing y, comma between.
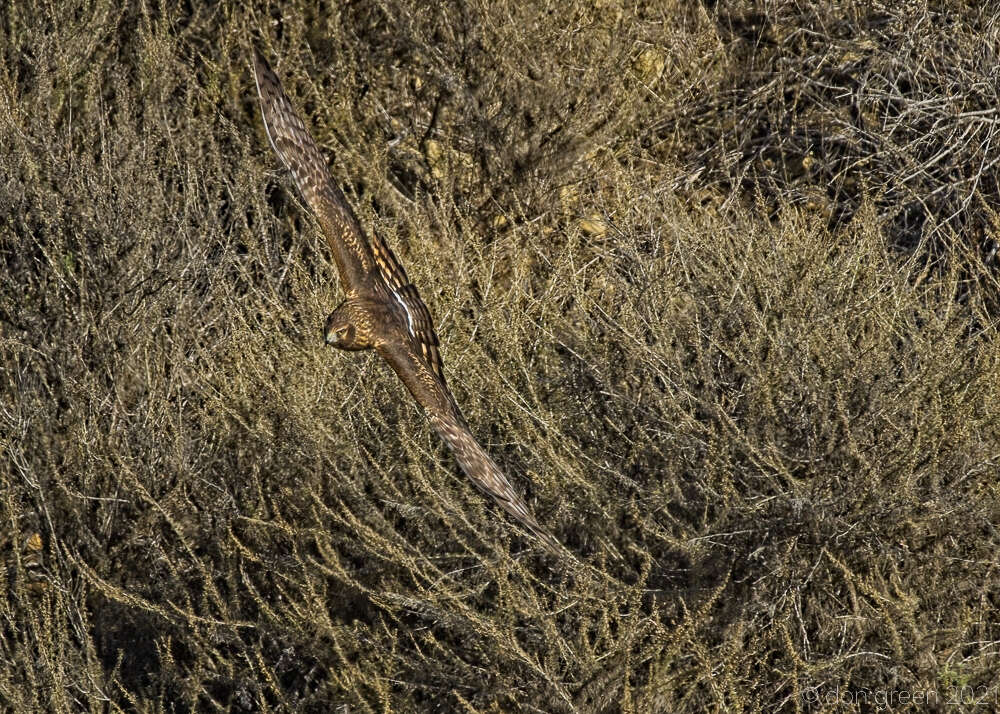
x: 382, y: 309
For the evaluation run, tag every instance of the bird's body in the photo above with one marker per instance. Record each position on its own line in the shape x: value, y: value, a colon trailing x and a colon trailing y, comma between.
x: 382, y: 310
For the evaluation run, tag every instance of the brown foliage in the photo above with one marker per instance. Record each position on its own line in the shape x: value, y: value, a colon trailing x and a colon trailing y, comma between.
x: 770, y: 437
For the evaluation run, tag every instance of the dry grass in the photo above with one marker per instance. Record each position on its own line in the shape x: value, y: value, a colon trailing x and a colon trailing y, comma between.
x: 768, y: 426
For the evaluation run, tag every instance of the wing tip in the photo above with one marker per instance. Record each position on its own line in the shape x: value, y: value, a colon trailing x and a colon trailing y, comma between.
x: 263, y: 74
x: 519, y: 510
x: 544, y: 538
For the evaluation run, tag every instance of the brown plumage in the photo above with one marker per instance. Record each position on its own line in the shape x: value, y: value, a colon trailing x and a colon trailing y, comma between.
x: 382, y: 310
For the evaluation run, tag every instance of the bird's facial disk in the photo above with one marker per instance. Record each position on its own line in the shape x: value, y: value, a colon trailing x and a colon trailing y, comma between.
x: 345, y: 328
x: 344, y: 335
x: 339, y: 334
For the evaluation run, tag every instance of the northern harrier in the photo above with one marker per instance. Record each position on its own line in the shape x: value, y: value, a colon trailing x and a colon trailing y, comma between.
x: 382, y: 309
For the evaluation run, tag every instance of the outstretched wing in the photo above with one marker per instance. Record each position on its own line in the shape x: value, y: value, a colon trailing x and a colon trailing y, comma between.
x: 432, y: 394
x: 298, y: 151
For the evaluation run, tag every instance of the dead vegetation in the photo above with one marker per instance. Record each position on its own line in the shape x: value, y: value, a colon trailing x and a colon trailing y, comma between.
x: 715, y: 284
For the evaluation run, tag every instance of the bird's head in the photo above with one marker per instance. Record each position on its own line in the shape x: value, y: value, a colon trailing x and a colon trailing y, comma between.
x: 342, y: 332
